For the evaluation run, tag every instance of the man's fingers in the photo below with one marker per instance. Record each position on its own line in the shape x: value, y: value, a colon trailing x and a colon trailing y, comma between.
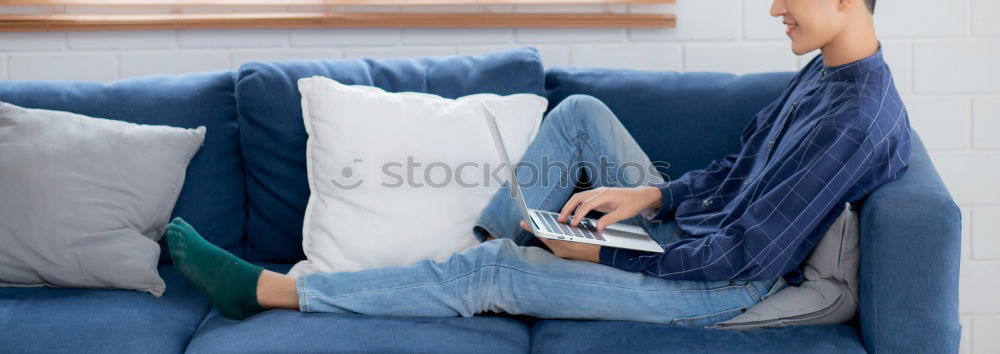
x: 611, y: 218
x: 524, y: 225
x: 571, y: 205
x: 586, y: 207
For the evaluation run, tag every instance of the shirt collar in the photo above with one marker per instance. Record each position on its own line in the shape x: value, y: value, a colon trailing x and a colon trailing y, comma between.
x: 854, y: 69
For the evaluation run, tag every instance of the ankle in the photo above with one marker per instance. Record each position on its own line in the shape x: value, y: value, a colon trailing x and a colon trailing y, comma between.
x: 277, y: 291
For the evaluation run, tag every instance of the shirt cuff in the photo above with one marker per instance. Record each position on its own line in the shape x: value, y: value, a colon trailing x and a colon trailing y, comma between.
x: 607, y: 256
x: 650, y: 214
x: 669, y: 199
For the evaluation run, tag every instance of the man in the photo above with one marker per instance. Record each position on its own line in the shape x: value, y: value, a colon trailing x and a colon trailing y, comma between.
x: 729, y: 231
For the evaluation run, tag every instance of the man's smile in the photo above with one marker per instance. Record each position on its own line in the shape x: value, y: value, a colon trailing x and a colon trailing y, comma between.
x: 791, y: 27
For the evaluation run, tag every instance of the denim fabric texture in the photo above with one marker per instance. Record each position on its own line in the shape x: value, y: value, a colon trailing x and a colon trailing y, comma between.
x: 501, y: 276
x: 279, y: 331
x: 588, y: 142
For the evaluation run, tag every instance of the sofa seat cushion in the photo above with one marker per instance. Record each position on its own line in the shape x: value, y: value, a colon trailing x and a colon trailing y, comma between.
x: 684, y: 119
x: 213, y: 198
x: 555, y: 336
x: 275, y: 331
x: 54, y: 320
x: 274, y: 136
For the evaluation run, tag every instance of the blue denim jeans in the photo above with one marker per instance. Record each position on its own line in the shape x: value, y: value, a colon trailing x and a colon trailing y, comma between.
x: 506, y: 275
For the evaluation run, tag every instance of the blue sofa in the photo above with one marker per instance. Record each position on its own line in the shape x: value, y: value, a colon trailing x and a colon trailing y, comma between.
x: 246, y: 191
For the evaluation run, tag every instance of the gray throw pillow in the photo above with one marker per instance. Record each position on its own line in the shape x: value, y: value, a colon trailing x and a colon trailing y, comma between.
x: 829, y: 294
x: 83, y: 200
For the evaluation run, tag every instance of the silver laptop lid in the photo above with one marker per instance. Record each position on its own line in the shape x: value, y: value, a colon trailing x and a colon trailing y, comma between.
x: 491, y: 121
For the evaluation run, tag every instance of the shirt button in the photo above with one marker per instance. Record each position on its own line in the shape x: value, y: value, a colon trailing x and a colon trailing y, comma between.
x: 770, y: 144
x: 746, y: 182
x: 794, y: 105
x: 706, y: 203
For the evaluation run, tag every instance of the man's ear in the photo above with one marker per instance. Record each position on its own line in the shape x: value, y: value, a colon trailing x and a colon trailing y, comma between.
x: 845, y: 5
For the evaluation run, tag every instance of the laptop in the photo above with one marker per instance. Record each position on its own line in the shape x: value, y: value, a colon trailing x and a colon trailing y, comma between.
x: 545, y: 224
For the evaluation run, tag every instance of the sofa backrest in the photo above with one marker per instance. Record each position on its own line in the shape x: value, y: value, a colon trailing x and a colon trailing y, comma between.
x: 274, y: 138
x: 246, y: 190
x: 684, y: 119
x: 213, y: 197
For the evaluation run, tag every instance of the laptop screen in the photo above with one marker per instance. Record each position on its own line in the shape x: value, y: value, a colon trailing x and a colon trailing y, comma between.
x: 491, y: 121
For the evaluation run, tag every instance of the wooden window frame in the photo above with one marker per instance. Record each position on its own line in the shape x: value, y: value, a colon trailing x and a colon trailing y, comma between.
x: 328, y: 18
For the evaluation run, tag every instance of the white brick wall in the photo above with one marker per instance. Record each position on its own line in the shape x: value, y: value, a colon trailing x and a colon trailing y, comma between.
x: 983, y: 21
x: 922, y: 18
x: 111, y: 40
x: 238, y: 57
x: 987, y: 221
x: 753, y: 57
x: 986, y: 123
x: 32, y: 41
x: 66, y: 66
x: 344, y: 37
x: 943, y: 54
x: 172, y: 62
x: 228, y: 38
x: 957, y: 66
x: 568, y: 35
x: 631, y: 56
x: 987, y: 328
x: 946, y: 116
x: 696, y: 20
x: 420, y: 36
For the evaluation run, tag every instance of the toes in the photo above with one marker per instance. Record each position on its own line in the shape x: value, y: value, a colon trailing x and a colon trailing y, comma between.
x: 173, y: 231
x: 179, y: 222
x: 181, y: 226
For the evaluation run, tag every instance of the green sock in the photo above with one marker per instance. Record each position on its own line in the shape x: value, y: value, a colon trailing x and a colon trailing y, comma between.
x: 229, y: 282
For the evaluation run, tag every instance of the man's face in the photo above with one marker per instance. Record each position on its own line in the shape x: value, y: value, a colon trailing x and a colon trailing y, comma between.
x: 811, y: 24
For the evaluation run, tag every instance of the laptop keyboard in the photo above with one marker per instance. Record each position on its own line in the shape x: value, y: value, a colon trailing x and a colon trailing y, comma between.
x: 585, y: 230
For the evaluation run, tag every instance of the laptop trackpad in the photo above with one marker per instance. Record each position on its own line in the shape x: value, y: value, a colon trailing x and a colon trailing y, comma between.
x: 625, y: 228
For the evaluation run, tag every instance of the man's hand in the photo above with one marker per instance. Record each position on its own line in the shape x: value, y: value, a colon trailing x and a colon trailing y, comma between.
x: 618, y: 204
x: 570, y: 250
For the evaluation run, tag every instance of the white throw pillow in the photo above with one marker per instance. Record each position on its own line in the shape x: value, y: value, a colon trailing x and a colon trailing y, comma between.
x: 397, y: 178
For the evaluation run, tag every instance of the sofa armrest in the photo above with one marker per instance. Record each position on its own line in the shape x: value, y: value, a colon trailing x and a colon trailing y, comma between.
x: 910, y: 254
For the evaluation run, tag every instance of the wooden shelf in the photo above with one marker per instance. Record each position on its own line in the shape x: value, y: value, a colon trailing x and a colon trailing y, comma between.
x: 82, y: 22
x: 314, y: 2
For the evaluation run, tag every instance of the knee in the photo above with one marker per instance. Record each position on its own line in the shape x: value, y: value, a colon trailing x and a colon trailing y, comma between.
x: 585, y: 103
x: 497, y: 251
x: 581, y: 112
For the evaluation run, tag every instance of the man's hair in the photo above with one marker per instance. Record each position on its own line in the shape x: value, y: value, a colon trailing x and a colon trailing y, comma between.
x: 871, y: 5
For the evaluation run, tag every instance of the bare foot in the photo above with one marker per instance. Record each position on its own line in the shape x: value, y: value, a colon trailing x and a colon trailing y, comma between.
x: 277, y: 291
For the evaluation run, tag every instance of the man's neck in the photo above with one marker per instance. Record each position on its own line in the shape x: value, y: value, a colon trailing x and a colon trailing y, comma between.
x: 856, y: 42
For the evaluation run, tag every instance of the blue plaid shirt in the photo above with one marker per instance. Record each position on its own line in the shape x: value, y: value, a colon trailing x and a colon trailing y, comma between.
x: 834, y: 135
